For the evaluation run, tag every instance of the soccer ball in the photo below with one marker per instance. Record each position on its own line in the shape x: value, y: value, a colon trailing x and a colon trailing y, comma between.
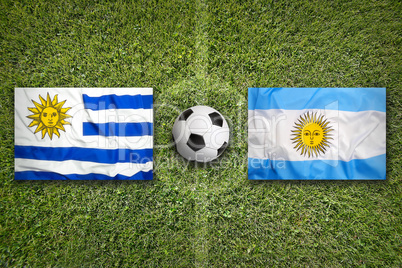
x: 201, y: 134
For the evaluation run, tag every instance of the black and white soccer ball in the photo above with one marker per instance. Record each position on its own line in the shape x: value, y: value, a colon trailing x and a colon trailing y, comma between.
x: 201, y: 134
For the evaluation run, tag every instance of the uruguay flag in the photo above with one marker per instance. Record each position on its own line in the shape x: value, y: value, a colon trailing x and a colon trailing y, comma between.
x: 316, y: 133
x: 83, y: 133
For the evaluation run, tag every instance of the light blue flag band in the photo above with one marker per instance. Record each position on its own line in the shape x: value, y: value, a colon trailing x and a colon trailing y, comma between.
x: 346, y: 99
x: 358, y: 169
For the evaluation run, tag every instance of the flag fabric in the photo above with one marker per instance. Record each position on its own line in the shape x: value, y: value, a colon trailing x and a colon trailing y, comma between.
x: 316, y: 133
x: 83, y: 134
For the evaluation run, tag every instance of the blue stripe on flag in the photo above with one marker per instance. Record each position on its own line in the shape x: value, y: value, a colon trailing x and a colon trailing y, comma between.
x: 40, y: 175
x: 373, y: 168
x: 343, y: 99
x: 117, y: 129
x: 118, y: 102
x: 106, y: 156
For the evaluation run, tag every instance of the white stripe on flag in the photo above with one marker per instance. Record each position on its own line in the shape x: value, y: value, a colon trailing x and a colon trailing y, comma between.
x: 120, y: 115
x: 81, y: 167
x: 93, y: 92
x: 356, y: 135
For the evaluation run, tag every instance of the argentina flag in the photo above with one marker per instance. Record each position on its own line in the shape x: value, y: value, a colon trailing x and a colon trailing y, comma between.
x: 317, y: 133
x: 83, y: 134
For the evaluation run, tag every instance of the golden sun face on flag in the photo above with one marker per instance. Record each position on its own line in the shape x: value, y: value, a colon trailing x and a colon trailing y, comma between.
x: 49, y: 116
x: 311, y: 134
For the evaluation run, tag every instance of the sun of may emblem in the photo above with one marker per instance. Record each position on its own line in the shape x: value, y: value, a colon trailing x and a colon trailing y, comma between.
x: 48, y: 116
x: 311, y: 134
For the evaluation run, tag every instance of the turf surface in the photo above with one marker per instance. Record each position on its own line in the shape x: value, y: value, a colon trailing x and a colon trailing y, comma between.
x: 201, y: 53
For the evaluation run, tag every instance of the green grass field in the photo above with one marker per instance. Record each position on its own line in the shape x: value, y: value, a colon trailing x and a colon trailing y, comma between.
x: 201, y: 53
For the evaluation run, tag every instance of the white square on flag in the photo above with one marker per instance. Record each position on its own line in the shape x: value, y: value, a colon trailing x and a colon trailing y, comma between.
x: 83, y: 134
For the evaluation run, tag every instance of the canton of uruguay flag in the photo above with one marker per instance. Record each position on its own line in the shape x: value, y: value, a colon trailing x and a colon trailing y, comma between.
x: 83, y: 133
x: 316, y: 133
